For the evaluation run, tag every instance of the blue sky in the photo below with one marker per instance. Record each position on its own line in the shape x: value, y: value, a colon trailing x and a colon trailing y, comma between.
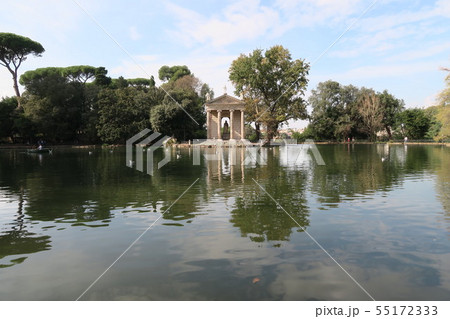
x: 398, y: 45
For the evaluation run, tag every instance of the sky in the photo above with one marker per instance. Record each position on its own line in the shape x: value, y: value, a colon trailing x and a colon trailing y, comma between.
x: 394, y: 45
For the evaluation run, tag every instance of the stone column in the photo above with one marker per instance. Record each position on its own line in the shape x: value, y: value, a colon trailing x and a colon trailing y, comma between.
x: 231, y: 124
x: 242, y: 125
x: 219, y: 119
x: 208, y: 121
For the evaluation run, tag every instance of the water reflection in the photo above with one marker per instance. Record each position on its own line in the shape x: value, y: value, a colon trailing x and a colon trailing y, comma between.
x: 363, y: 206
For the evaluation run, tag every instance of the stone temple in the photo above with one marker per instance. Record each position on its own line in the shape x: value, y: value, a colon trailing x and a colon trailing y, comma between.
x: 225, y: 118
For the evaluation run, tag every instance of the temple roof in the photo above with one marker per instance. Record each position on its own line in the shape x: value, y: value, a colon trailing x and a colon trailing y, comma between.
x: 225, y: 102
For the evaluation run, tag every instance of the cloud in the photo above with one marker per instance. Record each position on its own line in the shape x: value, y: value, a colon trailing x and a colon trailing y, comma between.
x: 419, y: 54
x: 384, y: 71
x: 381, y: 35
x: 243, y: 20
x: 134, y: 34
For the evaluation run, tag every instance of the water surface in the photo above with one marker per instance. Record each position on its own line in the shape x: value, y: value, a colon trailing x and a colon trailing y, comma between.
x: 65, y: 218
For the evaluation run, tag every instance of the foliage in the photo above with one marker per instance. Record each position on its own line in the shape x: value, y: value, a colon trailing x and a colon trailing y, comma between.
x: 54, y: 106
x: 416, y: 123
x: 371, y: 114
x: 176, y: 114
x: 440, y: 127
x: 272, y: 85
x: 14, y: 49
x: 173, y: 73
x: 7, y: 107
x: 334, y: 114
x: 141, y: 82
x: 122, y: 113
x: 340, y: 112
x: 390, y: 106
x: 100, y: 77
x: 61, y: 104
x: 307, y: 134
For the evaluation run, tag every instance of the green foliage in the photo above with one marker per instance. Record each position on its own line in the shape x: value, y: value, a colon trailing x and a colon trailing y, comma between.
x: 123, y: 113
x: 141, y: 82
x: 440, y: 123
x: 307, y: 134
x: 171, y: 118
x: 391, y: 106
x: 100, y: 77
x: 335, y: 114
x: 119, y: 83
x: 272, y: 85
x: 416, y: 123
x: 339, y: 111
x: 14, y: 49
x: 173, y: 73
x: 55, y: 108
x: 79, y: 73
x: 7, y: 107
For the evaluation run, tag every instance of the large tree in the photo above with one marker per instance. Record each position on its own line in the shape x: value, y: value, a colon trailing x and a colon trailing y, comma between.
x: 371, y: 113
x: 53, y: 104
x: 334, y: 112
x: 170, y: 119
x: 14, y: 49
x: 173, y: 73
x: 272, y: 85
x: 124, y: 112
x: 414, y: 123
x: 390, y: 106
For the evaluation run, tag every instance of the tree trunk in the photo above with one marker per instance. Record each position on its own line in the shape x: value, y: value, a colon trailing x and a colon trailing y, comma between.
x: 388, y: 130
x: 271, y: 132
x: 16, y: 87
x: 258, y: 131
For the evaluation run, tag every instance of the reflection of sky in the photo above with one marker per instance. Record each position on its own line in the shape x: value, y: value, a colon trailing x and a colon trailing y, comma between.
x: 393, y: 241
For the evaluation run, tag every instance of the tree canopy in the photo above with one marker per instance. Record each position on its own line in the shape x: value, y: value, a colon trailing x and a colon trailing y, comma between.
x: 173, y: 73
x: 272, y: 85
x: 14, y: 49
x: 343, y: 111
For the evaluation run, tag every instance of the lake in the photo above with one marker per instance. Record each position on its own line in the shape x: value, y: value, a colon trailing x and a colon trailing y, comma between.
x: 374, y: 221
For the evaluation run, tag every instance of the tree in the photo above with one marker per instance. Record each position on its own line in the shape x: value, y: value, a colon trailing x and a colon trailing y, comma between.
x: 327, y: 107
x: 173, y: 73
x: 122, y: 113
x: 100, y: 77
x: 334, y: 111
x: 14, y: 49
x: 272, y: 85
x: 7, y: 107
x: 119, y: 83
x: 415, y: 123
x: 141, y: 82
x: 53, y: 103
x: 390, y: 106
x: 371, y: 113
x: 79, y: 73
x: 170, y: 119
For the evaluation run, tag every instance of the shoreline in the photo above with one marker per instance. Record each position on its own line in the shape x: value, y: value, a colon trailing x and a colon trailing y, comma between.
x: 187, y: 145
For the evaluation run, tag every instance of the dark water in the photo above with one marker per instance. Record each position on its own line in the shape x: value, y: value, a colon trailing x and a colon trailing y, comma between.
x: 66, y: 217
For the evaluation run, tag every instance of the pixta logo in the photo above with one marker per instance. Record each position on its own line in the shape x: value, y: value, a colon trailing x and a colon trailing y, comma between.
x: 145, y: 146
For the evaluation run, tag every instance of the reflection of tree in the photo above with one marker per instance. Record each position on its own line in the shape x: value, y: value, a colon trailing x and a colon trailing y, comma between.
x: 443, y: 177
x: 259, y: 217
x: 74, y: 187
x: 19, y: 241
x: 359, y: 169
